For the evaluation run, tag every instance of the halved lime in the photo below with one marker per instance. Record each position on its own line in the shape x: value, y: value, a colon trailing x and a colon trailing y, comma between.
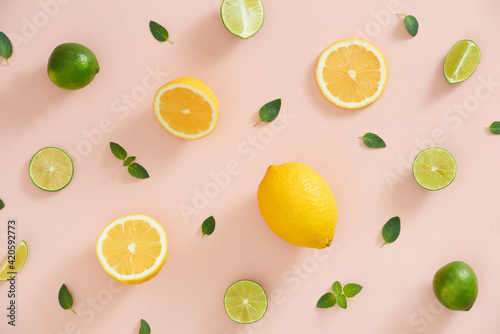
x: 51, y: 169
x: 242, y: 18
x: 245, y: 301
x: 461, y: 61
x: 13, y: 263
x: 434, y: 168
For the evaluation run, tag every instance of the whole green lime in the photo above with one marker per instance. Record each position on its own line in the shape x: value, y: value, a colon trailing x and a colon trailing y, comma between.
x: 72, y: 66
x: 455, y: 286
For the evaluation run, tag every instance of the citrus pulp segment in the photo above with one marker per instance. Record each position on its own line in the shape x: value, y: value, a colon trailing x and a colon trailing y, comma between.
x: 245, y: 301
x: 11, y: 265
x: 242, y: 18
x: 461, y: 61
x: 351, y: 73
x: 132, y: 249
x: 187, y: 108
x: 434, y: 168
x: 51, y: 169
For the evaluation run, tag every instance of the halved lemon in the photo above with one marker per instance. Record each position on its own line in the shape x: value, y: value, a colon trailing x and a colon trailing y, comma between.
x: 245, y: 301
x: 51, y: 169
x: 132, y: 249
x: 351, y: 73
x: 434, y: 168
x: 14, y: 262
x: 187, y: 108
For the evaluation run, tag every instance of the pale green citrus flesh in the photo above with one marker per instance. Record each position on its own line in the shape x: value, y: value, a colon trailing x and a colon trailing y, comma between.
x: 245, y: 301
x: 455, y: 286
x: 9, y: 268
x: 242, y: 18
x: 461, y: 61
x: 434, y: 168
x: 51, y: 169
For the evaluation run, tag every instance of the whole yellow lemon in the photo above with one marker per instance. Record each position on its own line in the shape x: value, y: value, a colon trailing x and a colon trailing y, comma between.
x: 298, y: 205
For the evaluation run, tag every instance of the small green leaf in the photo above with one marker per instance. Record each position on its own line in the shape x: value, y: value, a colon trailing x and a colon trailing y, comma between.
x: 128, y: 161
x: 5, y: 47
x: 371, y: 140
x: 495, y: 128
x: 138, y: 171
x: 118, y: 151
x: 2, y: 204
x: 145, y: 329
x: 65, y: 298
x: 341, y: 301
x: 159, y: 32
x: 391, y: 230
x: 269, y: 111
x: 326, y: 301
x: 352, y: 289
x: 337, y: 288
x: 208, y: 226
x: 411, y: 24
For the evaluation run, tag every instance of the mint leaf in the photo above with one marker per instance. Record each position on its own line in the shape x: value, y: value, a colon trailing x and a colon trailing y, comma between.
x: 371, y: 140
x: 208, y: 226
x: 145, y: 329
x: 2, y: 204
x: 128, y: 161
x: 337, y: 288
x: 159, y: 32
x: 352, y: 289
x: 326, y: 301
x: 495, y: 128
x: 411, y: 24
x: 118, y: 151
x: 5, y: 47
x: 138, y: 171
x: 391, y: 230
x: 341, y: 301
x: 269, y: 111
x: 65, y: 298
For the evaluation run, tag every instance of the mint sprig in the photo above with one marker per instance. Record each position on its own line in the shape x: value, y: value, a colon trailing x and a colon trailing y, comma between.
x: 391, y: 230
x: 371, y: 140
x: 494, y: 128
x: 269, y: 111
x: 208, y: 226
x: 329, y: 299
x: 145, y: 329
x: 2, y: 204
x: 159, y: 32
x: 411, y: 24
x: 5, y: 47
x: 134, y: 168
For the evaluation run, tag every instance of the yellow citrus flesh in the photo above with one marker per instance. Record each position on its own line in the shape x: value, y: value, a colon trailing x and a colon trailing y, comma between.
x: 11, y: 265
x: 298, y: 205
x: 132, y: 249
x: 434, y: 168
x: 187, y: 108
x: 351, y: 73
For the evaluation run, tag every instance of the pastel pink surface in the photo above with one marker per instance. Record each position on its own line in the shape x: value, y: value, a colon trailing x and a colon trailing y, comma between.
x: 418, y: 109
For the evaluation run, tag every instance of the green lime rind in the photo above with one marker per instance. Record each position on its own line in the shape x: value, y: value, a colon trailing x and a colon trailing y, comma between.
x: 423, y: 179
x: 461, y: 61
x: 32, y: 177
x: 455, y: 286
x: 72, y: 66
x: 257, y: 301
x: 236, y: 24
x: 4, y: 269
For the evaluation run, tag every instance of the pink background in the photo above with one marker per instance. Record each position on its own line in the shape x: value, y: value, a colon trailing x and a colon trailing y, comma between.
x: 418, y: 109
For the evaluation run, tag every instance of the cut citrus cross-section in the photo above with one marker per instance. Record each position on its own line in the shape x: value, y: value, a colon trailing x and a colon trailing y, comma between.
x: 187, y: 108
x: 242, y: 18
x: 132, y: 249
x: 461, y: 61
x: 351, y: 73
x: 51, y: 169
x: 245, y: 301
x: 14, y: 262
x: 434, y: 168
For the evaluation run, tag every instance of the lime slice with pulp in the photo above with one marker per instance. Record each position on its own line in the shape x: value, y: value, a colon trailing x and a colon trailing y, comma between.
x: 245, y: 302
x: 461, y: 61
x: 434, y: 168
x: 51, y: 169
x: 12, y: 264
x: 242, y: 18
